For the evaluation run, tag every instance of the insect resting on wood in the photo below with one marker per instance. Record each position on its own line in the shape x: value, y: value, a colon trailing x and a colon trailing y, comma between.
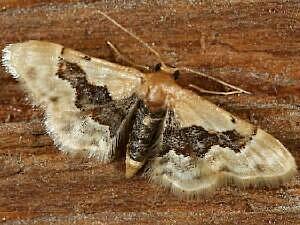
x: 184, y: 142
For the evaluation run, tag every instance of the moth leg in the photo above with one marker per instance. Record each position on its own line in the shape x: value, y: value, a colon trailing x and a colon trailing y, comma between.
x: 120, y: 58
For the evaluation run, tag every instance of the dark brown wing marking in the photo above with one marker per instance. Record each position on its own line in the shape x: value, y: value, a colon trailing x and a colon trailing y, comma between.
x: 114, y: 112
x: 96, y: 101
x: 196, y: 141
x: 86, y: 93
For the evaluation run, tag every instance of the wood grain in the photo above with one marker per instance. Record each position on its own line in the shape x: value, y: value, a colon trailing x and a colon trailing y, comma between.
x: 252, y: 44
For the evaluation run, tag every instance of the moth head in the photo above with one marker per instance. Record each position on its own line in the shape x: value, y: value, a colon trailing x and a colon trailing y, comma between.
x: 168, y: 69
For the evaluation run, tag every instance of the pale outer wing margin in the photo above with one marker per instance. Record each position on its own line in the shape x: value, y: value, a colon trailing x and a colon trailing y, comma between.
x: 263, y: 161
x: 35, y: 64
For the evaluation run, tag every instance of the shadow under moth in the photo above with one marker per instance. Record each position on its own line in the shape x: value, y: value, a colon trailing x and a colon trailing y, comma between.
x: 182, y: 141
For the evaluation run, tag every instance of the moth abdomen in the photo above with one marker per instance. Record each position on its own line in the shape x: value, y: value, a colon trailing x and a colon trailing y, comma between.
x: 144, y: 137
x: 145, y: 132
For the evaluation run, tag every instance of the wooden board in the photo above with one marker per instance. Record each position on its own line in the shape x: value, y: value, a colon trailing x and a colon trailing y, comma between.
x: 252, y: 44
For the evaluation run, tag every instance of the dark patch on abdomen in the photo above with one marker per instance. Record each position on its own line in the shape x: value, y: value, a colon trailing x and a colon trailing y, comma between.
x: 196, y: 141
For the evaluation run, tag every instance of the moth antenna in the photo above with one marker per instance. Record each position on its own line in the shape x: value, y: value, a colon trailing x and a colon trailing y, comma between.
x: 238, y: 90
x: 164, y: 67
x: 121, y: 57
x: 214, y: 92
x: 134, y: 36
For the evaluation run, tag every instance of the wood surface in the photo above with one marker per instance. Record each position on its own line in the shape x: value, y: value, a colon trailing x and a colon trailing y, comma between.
x: 252, y: 44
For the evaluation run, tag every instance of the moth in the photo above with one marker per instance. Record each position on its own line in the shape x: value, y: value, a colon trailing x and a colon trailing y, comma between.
x: 182, y: 141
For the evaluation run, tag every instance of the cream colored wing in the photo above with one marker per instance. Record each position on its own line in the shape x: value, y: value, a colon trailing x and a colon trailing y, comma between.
x: 204, y: 147
x: 70, y: 85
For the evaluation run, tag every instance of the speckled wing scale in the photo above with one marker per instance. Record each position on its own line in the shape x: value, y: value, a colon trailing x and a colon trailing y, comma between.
x: 184, y: 142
